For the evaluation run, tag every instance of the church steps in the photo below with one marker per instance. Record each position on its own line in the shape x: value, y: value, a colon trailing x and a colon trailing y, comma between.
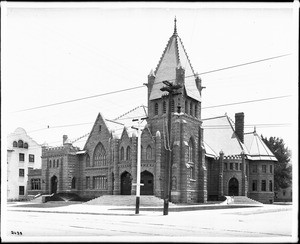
x: 123, y: 200
x: 243, y: 200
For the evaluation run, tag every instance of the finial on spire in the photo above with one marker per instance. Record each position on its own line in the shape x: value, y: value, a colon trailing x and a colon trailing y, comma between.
x: 175, y: 27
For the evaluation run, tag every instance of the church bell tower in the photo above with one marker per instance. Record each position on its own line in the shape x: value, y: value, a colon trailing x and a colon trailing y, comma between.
x: 188, y: 171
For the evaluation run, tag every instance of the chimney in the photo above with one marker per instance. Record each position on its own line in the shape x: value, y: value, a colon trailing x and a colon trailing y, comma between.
x: 239, y: 126
x: 65, y: 138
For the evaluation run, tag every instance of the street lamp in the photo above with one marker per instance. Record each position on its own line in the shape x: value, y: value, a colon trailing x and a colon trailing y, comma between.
x: 138, y: 178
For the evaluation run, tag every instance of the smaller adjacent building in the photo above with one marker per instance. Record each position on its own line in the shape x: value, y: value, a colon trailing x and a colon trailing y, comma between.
x: 58, y: 172
x: 284, y: 194
x: 23, y: 155
x: 238, y: 163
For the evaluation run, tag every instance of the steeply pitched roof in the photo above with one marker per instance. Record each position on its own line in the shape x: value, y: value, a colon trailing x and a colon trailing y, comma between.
x: 257, y: 149
x: 219, y: 135
x: 173, y: 57
x: 117, y: 126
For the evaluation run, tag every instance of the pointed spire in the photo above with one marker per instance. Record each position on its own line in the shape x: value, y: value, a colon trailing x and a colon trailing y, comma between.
x: 151, y: 73
x: 175, y: 27
x: 179, y: 65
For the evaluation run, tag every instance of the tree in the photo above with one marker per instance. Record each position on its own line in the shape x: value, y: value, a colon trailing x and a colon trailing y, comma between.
x: 282, y: 168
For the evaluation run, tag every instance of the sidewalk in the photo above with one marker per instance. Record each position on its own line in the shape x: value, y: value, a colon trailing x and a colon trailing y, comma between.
x: 81, y: 208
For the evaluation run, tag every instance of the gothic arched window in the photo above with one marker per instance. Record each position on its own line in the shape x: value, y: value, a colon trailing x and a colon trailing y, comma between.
x: 191, y: 151
x: 191, y: 108
x: 142, y: 153
x: 186, y: 107
x: 196, y: 110
x: 26, y: 145
x: 88, y: 161
x: 149, y: 152
x: 164, y: 107
x: 99, y: 155
x: 191, y: 158
x: 73, y: 185
x: 15, y: 144
x: 128, y: 153
x: 156, y: 109
x: 50, y: 164
x: 122, y: 153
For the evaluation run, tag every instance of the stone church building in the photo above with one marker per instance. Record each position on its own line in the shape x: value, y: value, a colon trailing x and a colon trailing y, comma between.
x: 211, y: 157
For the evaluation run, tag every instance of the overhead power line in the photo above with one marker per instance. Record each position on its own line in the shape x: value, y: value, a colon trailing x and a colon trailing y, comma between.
x: 211, y: 127
x: 252, y: 62
x: 137, y: 87
x: 122, y: 116
x: 234, y: 66
x: 250, y: 101
x: 83, y: 98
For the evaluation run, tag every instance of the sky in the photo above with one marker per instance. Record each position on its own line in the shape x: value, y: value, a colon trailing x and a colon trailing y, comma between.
x: 52, y: 53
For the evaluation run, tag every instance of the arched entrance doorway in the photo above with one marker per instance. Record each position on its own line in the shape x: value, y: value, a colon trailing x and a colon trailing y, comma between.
x: 126, y: 183
x: 233, y: 187
x: 53, y: 184
x: 147, y: 180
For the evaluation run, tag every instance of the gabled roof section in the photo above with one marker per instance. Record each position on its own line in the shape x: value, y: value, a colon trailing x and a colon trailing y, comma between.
x: 125, y: 134
x: 118, y: 126
x: 146, y: 132
x: 257, y: 149
x: 174, y: 56
x: 95, y: 130
x: 219, y: 135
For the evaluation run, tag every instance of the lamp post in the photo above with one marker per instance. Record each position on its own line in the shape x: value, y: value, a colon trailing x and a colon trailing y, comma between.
x: 138, y: 177
x: 170, y: 88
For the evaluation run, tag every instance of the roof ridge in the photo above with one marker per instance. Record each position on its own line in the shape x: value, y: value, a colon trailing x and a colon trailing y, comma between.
x: 209, y: 147
x: 177, y: 50
x: 188, y: 59
x: 221, y: 116
x: 163, y: 54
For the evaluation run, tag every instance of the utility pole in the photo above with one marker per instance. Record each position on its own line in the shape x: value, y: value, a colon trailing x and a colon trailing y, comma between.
x: 170, y: 88
x: 138, y: 178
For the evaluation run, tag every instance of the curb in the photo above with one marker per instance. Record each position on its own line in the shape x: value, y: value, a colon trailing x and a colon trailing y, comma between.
x: 154, y: 209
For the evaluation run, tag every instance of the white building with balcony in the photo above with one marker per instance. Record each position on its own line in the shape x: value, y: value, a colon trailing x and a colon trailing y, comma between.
x: 23, y: 153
